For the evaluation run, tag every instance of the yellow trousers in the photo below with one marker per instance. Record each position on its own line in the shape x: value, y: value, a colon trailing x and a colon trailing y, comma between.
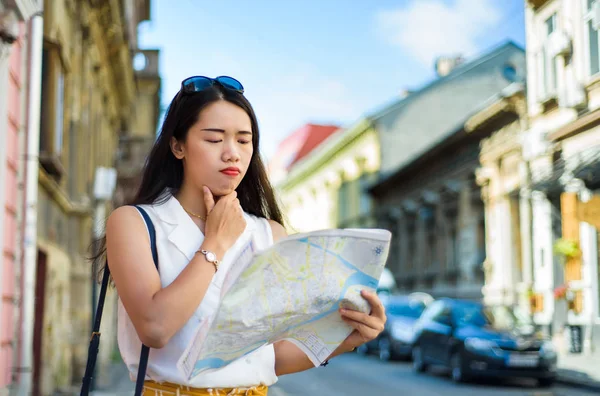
x: 152, y: 388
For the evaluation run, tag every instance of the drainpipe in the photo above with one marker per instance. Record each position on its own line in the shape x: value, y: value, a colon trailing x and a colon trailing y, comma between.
x: 5, y: 48
x: 31, y: 192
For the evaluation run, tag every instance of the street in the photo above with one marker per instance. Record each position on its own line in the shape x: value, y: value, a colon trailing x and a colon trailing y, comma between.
x: 353, y: 374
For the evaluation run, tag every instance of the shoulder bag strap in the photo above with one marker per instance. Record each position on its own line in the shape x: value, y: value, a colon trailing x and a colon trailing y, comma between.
x: 139, y: 383
x: 95, y: 339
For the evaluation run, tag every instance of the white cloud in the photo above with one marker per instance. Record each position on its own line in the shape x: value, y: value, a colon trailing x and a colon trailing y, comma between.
x: 427, y: 29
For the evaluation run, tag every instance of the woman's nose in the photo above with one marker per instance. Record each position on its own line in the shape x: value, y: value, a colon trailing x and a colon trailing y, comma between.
x: 231, y: 152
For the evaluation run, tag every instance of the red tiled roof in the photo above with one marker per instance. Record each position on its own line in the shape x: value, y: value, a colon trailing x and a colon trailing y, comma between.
x: 315, y: 136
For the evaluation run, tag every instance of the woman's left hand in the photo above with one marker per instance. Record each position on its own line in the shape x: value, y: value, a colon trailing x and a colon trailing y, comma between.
x: 366, y: 326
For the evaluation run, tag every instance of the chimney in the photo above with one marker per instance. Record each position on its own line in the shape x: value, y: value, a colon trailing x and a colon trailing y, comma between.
x: 445, y: 64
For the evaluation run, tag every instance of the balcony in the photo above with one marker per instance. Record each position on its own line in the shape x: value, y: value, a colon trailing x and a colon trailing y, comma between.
x: 537, y: 3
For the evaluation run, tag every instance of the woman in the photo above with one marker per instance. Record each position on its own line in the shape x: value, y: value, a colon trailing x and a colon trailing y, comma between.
x: 204, y: 187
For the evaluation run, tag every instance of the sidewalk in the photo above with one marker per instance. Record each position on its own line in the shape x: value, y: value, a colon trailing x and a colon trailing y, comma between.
x: 117, y: 383
x: 579, y: 370
x: 573, y: 369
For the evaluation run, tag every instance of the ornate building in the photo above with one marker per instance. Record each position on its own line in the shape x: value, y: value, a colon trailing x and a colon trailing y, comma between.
x: 14, y: 56
x: 89, y: 97
x: 561, y: 153
x: 428, y: 195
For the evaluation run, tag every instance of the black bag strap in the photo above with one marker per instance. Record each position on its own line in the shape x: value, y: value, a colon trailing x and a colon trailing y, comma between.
x: 95, y: 340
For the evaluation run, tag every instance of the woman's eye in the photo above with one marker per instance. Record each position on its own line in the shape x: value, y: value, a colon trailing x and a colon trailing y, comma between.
x: 214, y: 141
x: 244, y: 141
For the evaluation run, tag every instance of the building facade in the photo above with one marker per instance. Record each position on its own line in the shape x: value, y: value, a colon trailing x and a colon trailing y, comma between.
x: 561, y: 153
x: 14, y: 21
x: 428, y: 195
x: 136, y: 142
x: 507, y: 266
x: 89, y: 96
x: 327, y: 189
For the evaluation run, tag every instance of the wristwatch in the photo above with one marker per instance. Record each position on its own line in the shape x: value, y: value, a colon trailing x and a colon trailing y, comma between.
x: 211, y: 258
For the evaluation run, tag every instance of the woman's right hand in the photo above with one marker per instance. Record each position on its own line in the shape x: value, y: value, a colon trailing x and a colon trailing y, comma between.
x: 224, y: 221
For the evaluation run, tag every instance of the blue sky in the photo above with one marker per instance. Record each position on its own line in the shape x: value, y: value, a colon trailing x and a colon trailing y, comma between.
x: 321, y: 61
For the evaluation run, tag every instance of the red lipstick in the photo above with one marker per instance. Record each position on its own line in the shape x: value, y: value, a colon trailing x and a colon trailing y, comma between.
x: 231, y: 171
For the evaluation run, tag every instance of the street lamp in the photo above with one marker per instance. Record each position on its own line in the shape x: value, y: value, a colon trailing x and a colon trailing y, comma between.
x: 105, y: 180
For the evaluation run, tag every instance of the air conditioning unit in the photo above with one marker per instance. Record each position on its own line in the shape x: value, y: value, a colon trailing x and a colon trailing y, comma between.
x: 559, y: 44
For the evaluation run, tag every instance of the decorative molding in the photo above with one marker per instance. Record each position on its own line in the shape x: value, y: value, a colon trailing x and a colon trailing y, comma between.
x: 582, y: 123
x: 409, y: 205
x: 453, y: 185
x: 501, y: 142
x: 60, y: 196
x: 430, y: 197
x: 483, y: 175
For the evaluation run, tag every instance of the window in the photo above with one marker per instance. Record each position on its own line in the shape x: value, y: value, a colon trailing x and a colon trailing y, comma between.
x: 365, y: 197
x: 344, y: 202
x: 591, y: 35
x: 411, y: 242
x: 428, y: 214
x: 443, y: 316
x: 433, y: 310
x: 59, y: 111
x: 52, y: 116
x: 549, y: 77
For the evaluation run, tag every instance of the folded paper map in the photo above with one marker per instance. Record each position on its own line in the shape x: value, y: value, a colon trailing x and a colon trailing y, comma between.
x: 291, y: 291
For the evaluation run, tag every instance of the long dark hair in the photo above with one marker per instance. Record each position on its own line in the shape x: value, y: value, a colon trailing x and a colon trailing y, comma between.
x: 164, y: 172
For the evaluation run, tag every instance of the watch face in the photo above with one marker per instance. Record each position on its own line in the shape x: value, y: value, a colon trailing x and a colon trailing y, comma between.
x: 210, y: 256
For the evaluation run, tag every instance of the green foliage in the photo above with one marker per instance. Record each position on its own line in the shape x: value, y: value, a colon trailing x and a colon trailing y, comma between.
x: 566, y: 247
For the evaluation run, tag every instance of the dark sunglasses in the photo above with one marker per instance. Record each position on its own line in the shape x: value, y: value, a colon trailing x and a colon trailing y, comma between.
x: 200, y: 83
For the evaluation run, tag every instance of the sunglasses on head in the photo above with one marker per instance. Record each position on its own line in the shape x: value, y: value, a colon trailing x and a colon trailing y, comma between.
x: 200, y: 83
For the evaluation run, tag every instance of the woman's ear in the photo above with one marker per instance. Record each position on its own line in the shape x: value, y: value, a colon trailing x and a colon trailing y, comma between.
x: 177, y: 148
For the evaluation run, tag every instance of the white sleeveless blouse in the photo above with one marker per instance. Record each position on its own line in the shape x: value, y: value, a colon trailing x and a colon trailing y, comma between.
x: 177, y: 239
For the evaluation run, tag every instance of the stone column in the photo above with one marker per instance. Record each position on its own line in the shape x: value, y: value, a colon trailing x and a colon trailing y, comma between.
x: 588, y: 284
x: 421, y: 244
x: 409, y: 240
x: 443, y: 240
x: 402, y: 238
x: 466, y: 232
x: 543, y: 257
x: 526, y: 223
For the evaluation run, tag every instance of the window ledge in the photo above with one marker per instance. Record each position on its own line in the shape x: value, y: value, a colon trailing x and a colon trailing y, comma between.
x: 549, y: 103
x: 537, y: 3
x: 60, y: 196
x: 593, y: 82
x: 52, y: 165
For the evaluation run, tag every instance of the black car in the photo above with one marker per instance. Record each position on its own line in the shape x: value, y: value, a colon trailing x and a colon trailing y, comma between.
x: 476, y: 340
x: 396, y: 339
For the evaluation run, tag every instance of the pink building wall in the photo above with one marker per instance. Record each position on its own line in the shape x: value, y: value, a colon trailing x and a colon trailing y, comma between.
x: 13, y: 155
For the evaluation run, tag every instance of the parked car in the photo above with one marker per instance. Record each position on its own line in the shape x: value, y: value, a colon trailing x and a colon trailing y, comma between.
x: 396, y: 339
x: 387, y: 283
x: 477, y: 340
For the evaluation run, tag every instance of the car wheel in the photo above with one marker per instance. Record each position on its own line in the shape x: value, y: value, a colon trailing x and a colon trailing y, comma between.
x: 546, y: 382
x: 456, y: 367
x: 417, y: 357
x: 362, y: 349
x: 385, y: 350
